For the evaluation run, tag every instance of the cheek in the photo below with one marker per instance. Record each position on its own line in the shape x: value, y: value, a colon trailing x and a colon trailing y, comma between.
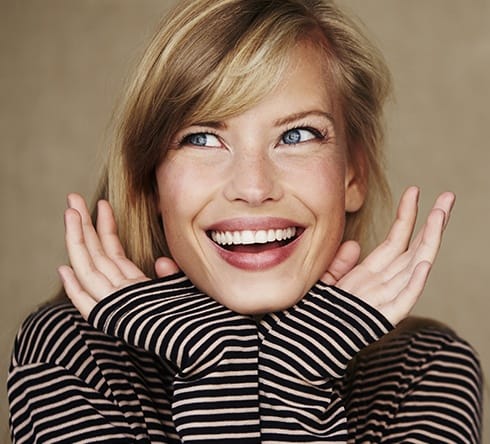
x: 321, y: 189
x: 173, y: 204
x: 176, y: 181
x: 183, y: 192
x: 320, y: 184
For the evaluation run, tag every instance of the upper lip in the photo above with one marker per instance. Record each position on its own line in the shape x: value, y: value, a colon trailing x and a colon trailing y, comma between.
x: 252, y: 223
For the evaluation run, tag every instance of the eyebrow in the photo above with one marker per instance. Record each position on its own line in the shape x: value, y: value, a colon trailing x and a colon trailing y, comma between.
x: 212, y: 124
x: 279, y: 122
x: 301, y: 115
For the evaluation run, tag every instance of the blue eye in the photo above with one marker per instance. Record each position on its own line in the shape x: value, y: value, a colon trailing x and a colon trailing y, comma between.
x: 298, y: 135
x: 201, y: 139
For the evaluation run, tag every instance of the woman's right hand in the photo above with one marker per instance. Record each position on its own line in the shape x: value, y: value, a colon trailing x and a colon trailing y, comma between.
x: 99, y: 266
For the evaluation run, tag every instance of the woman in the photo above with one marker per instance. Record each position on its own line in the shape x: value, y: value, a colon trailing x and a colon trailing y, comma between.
x: 249, y: 154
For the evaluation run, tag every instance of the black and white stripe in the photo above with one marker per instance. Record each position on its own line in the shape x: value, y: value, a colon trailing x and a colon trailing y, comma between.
x: 303, y: 350
x: 164, y: 363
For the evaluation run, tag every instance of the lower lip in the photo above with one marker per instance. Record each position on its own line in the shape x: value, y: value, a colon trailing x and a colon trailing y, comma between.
x: 257, y: 261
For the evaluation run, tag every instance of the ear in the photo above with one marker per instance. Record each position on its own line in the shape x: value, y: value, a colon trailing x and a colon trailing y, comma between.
x: 355, y: 183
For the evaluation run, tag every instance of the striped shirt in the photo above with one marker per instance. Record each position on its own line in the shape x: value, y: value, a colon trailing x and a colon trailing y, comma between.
x: 160, y: 362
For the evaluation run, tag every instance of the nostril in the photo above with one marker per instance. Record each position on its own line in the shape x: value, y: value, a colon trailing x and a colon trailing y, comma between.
x: 253, y: 180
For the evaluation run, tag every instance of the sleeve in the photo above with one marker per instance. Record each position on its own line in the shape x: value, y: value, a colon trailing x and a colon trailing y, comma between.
x: 214, y: 352
x: 171, y: 318
x: 422, y: 384
x: 443, y: 402
x: 57, y: 392
x: 48, y: 403
x: 303, y: 351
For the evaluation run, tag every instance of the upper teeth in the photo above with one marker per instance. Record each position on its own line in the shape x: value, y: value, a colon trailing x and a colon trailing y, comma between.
x: 247, y: 237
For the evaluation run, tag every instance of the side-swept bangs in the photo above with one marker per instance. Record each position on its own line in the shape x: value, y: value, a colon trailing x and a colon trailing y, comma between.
x: 211, y: 60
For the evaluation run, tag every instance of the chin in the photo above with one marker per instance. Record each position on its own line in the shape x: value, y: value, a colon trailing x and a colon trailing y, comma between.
x: 259, y: 298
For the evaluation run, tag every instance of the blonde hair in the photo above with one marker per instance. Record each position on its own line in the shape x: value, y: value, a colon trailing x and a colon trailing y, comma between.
x: 212, y: 59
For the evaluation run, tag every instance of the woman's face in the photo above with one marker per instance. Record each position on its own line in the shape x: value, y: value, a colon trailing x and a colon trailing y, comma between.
x: 253, y: 207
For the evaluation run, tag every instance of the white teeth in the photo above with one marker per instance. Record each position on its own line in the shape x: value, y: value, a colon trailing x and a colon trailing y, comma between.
x: 248, y: 237
x: 228, y: 237
x: 261, y: 237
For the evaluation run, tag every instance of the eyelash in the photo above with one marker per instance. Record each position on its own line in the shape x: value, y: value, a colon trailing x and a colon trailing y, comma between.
x: 184, y: 140
x: 321, y: 135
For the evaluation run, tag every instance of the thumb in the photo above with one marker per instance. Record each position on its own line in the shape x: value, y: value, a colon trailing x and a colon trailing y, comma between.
x: 344, y: 261
x: 164, y: 266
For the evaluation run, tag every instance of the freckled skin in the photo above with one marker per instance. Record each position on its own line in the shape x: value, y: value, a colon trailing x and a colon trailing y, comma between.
x: 259, y: 166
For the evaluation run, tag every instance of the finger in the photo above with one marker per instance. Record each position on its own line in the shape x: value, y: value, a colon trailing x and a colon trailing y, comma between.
x: 92, y: 242
x: 400, y: 307
x: 444, y: 202
x: 401, y: 231
x: 90, y: 278
x: 80, y: 298
x: 425, y: 245
x: 344, y: 261
x: 164, y: 266
x: 431, y: 238
x: 109, y: 239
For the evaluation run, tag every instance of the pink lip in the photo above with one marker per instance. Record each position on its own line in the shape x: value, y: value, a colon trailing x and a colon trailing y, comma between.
x: 257, y: 261
x: 252, y: 223
x: 261, y: 260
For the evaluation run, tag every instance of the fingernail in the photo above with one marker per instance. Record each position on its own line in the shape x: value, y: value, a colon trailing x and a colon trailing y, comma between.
x: 60, y: 274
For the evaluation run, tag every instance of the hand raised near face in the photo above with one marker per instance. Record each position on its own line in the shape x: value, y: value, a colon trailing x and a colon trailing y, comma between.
x: 99, y: 266
x: 393, y: 276
x: 345, y: 260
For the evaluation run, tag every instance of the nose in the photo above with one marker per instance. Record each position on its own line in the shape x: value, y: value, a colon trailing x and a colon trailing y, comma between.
x: 254, y: 179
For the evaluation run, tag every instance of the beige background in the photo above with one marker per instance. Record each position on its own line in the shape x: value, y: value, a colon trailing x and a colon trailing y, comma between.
x: 62, y: 66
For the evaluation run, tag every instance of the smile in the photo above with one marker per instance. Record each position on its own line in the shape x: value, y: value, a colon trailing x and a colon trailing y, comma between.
x: 250, y: 237
x: 256, y: 249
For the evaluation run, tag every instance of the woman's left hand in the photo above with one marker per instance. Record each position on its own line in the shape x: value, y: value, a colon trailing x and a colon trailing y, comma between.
x: 393, y: 276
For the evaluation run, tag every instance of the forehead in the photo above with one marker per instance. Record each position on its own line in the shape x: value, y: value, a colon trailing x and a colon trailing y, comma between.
x: 308, y: 72
x: 304, y: 90
x: 301, y: 71
x: 300, y: 91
